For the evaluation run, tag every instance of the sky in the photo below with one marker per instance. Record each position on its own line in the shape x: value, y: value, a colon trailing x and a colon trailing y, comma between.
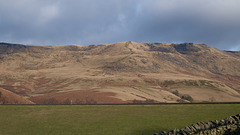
x: 86, y: 22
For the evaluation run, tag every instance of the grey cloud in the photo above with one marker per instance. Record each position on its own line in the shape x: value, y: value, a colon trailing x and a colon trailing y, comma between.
x: 54, y: 22
x: 214, y: 23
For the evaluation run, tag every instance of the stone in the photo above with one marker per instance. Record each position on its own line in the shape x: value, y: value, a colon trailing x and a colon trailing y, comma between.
x: 228, y: 126
x: 201, y: 125
x: 196, y: 126
x: 236, y: 118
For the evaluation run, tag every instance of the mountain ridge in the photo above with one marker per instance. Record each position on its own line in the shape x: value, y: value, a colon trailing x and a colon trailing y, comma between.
x: 130, y: 71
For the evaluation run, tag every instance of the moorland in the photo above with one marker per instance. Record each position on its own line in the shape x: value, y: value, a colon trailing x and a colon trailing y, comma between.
x: 125, y: 72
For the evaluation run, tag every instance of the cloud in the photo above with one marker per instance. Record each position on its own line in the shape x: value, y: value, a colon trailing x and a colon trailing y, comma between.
x: 54, y: 22
x: 48, y: 13
x: 212, y: 22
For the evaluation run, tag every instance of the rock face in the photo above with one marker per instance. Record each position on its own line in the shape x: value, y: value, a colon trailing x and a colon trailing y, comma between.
x: 228, y: 126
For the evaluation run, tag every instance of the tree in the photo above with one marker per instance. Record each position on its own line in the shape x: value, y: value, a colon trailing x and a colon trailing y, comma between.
x: 212, y: 99
x: 135, y: 101
x: 90, y: 101
x: 187, y: 97
x: 176, y: 93
x: 51, y: 101
x: 79, y: 101
x: 68, y: 101
x: 1, y: 100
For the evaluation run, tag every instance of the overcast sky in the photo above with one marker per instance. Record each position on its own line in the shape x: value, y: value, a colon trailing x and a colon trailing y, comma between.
x: 85, y: 22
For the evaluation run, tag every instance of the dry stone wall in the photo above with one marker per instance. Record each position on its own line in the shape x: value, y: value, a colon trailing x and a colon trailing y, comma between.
x: 228, y: 126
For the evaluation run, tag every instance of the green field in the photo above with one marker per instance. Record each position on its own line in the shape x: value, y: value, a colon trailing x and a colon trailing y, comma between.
x: 106, y: 119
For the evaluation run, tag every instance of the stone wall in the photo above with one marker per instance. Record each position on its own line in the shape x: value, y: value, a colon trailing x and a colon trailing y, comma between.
x: 228, y: 126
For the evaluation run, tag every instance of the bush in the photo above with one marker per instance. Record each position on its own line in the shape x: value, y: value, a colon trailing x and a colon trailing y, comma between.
x: 79, y: 101
x: 212, y: 99
x: 176, y: 93
x: 90, y: 101
x: 67, y: 102
x: 187, y: 97
x: 51, y: 101
x: 182, y: 96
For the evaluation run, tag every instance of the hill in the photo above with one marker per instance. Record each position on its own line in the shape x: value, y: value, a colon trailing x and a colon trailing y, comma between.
x: 123, y: 72
x: 7, y: 97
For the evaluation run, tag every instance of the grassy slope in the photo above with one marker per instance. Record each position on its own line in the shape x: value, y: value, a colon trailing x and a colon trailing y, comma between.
x: 106, y: 119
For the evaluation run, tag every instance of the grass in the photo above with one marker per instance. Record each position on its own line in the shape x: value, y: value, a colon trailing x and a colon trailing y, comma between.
x: 106, y: 119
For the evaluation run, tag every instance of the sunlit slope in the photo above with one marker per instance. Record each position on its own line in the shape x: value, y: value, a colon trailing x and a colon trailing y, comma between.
x: 123, y: 72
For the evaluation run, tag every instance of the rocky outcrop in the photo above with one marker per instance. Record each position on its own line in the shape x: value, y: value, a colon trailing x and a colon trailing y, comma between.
x: 228, y: 126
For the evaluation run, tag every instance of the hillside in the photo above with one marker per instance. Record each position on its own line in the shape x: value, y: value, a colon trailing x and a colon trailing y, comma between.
x: 123, y: 72
x: 7, y: 97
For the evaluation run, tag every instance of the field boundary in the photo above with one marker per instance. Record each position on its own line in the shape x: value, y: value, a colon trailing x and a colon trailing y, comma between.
x: 228, y: 126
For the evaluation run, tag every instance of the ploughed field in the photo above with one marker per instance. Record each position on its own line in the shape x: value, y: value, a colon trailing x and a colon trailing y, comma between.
x: 107, y: 119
